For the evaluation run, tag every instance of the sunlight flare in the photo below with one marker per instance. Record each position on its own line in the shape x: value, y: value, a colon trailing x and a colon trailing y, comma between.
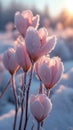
x: 69, y: 6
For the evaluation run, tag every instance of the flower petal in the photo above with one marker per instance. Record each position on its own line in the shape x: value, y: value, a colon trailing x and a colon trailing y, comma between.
x: 27, y: 15
x: 48, y: 47
x: 9, y: 60
x: 46, y: 102
x: 21, y: 23
x: 43, y: 35
x: 32, y: 41
x: 45, y: 74
x: 23, y: 57
x: 58, y: 74
x: 37, y: 110
x: 35, y: 22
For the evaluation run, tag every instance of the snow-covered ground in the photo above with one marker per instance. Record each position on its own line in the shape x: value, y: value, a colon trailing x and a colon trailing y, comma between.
x: 61, y: 115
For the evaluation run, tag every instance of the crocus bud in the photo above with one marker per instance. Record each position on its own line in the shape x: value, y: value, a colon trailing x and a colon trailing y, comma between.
x: 38, y: 43
x: 38, y: 64
x: 9, y: 61
x: 51, y: 71
x: 40, y: 106
x: 24, y: 20
x: 22, y: 57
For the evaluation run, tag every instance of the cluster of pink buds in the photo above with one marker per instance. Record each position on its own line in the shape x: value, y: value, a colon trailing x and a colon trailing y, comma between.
x: 32, y: 55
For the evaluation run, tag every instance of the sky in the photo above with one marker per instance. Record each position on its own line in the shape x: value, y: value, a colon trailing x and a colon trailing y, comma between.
x: 55, y: 6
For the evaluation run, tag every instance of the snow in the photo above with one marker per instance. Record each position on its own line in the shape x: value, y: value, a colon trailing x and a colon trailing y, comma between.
x: 62, y: 50
x: 61, y: 116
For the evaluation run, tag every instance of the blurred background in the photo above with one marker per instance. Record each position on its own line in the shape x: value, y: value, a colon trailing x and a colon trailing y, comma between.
x: 55, y: 15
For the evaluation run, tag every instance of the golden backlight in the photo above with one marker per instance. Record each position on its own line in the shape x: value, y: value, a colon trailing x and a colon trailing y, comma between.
x: 69, y: 6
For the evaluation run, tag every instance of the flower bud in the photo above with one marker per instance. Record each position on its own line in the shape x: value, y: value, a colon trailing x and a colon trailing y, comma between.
x: 38, y: 43
x: 9, y: 61
x: 40, y: 106
x: 22, y: 57
x: 24, y: 20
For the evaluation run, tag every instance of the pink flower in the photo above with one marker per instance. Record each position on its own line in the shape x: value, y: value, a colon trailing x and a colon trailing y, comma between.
x: 50, y: 71
x: 9, y: 61
x: 38, y: 43
x: 22, y: 57
x: 40, y: 106
x: 41, y: 60
x: 24, y: 20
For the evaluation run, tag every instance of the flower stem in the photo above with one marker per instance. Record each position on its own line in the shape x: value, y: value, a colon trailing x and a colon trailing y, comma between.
x: 32, y: 125
x: 16, y: 101
x: 27, y: 97
x: 41, y: 87
x: 42, y: 124
x: 38, y: 126
x: 5, y: 88
x: 47, y: 92
x: 22, y: 103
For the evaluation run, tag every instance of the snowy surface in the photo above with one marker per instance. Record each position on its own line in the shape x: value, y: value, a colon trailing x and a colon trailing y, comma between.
x: 61, y: 116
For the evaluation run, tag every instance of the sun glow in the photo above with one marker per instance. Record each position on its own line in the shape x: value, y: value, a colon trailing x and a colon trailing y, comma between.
x: 69, y: 6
